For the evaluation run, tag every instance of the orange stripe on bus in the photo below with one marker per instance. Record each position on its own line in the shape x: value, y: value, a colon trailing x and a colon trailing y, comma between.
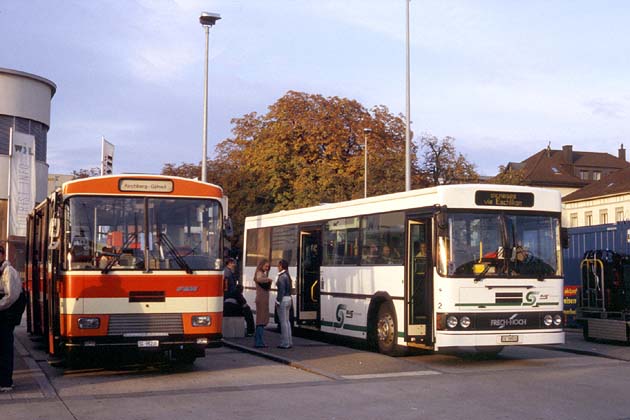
x: 105, y: 286
x: 70, y: 325
x: 110, y: 185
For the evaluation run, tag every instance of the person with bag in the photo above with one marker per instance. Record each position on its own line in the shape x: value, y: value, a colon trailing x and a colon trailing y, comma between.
x: 283, y: 304
x: 10, y: 294
x: 263, y: 284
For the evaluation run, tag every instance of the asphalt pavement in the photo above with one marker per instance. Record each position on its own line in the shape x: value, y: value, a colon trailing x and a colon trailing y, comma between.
x: 315, y: 353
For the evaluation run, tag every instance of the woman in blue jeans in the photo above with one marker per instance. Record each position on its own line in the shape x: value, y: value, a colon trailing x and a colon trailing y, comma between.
x: 283, y: 304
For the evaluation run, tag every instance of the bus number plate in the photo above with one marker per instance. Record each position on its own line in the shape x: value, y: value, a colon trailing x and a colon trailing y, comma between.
x: 509, y: 338
x: 149, y: 343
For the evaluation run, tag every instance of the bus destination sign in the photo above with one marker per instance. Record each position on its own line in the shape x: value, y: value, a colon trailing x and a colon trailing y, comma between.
x: 504, y: 199
x: 146, y: 185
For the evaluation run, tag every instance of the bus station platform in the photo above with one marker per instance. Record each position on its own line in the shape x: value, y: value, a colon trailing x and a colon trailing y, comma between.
x: 330, y: 357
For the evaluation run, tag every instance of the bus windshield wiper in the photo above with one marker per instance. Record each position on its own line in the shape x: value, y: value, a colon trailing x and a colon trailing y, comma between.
x: 176, y: 255
x: 116, y: 258
x: 482, y: 275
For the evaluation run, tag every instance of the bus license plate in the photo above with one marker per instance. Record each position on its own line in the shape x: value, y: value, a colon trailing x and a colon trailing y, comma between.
x: 149, y: 343
x: 509, y: 338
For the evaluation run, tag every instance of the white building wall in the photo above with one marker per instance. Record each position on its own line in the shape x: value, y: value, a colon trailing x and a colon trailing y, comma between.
x: 575, y: 214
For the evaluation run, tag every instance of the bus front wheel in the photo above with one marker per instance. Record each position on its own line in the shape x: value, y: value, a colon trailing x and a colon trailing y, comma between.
x: 385, y: 333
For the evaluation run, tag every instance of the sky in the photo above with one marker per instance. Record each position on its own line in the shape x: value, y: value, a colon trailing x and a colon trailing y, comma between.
x: 504, y: 78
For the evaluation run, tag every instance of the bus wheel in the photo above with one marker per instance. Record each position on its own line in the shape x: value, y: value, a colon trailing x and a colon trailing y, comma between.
x: 386, y: 332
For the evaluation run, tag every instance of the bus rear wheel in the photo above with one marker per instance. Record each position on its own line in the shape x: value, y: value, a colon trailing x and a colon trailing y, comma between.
x: 385, y: 332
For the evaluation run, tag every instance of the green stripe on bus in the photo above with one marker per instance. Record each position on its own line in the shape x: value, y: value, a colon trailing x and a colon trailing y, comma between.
x: 506, y: 304
x: 345, y: 326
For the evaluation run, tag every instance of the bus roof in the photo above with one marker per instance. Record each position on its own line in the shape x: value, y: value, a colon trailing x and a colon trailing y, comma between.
x: 141, y: 184
x: 462, y: 196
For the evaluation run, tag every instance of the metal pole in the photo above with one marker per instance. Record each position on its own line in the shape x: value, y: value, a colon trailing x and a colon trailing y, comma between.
x: 204, y: 152
x: 366, y: 132
x: 408, y: 112
x: 365, y: 170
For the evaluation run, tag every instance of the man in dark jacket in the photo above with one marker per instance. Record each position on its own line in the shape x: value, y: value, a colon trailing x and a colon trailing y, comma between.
x: 10, y: 289
x: 234, y: 303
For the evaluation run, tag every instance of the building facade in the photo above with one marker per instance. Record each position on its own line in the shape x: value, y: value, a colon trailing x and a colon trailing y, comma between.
x: 25, y: 101
x: 602, y: 202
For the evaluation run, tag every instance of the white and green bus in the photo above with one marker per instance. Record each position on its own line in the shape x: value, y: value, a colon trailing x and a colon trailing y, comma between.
x: 444, y: 267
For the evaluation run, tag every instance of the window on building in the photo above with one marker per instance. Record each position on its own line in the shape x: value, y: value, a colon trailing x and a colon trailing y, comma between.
x: 619, y: 214
x: 583, y: 174
x: 603, y: 217
x: 597, y: 175
x: 588, y: 218
x: 574, y: 220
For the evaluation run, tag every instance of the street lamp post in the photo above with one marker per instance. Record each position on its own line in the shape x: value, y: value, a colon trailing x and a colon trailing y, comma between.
x: 408, y: 111
x: 207, y: 20
x: 366, y: 132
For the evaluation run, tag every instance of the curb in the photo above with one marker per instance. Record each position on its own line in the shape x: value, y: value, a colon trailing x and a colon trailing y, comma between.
x: 44, y: 384
x: 281, y: 359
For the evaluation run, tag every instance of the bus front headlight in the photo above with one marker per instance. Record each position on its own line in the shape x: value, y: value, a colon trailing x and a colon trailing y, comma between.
x: 451, y: 321
x: 548, y: 320
x: 557, y: 320
x: 89, y: 323
x: 465, y: 322
x: 201, y: 321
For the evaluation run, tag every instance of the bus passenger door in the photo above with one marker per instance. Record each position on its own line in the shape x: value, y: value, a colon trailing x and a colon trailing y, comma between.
x: 308, y: 277
x: 418, y: 291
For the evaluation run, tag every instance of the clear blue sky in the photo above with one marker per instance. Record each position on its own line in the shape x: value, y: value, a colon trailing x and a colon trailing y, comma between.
x: 502, y: 77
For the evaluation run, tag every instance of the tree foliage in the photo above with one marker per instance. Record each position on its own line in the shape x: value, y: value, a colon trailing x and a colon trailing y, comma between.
x: 307, y: 149
x: 509, y: 176
x: 441, y: 164
x: 86, y: 173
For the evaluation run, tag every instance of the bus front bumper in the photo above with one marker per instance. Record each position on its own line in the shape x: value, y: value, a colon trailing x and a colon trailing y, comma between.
x: 445, y: 339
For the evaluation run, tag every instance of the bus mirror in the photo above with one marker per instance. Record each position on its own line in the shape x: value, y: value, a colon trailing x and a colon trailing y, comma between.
x: 441, y: 220
x: 53, y: 229
x: 564, y: 237
x: 228, y: 230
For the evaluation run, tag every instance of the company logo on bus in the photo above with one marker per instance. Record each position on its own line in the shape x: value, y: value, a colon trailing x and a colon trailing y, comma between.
x: 513, y: 321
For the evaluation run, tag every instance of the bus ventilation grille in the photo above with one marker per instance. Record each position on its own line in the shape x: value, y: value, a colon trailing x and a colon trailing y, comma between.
x: 126, y: 324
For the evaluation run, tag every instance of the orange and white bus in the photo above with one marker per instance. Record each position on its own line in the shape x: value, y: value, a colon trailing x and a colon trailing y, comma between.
x: 127, y: 262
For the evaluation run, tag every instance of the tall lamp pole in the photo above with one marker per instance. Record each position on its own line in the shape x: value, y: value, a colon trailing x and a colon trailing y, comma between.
x: 207, y: 20
x: 408, y: 111
x: 366, y: 132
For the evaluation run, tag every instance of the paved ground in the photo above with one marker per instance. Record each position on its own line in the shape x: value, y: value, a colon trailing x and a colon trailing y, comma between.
x: 320, y: 357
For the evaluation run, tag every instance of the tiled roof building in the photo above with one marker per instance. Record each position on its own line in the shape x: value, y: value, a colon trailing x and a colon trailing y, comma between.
x: 568, y: 170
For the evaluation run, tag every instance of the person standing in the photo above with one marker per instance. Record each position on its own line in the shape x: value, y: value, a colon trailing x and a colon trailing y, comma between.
x: 263, y: 284
x: 10, y: 289
x: 234, y: 303
x: 283, y: 304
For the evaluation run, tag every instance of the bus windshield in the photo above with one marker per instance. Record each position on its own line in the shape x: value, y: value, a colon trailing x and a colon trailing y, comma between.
x: 123, y: 233
x: 483, y: 245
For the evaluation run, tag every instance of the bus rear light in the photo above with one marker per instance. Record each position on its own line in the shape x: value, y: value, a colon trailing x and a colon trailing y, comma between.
x: 89, y: 323
x: 201, y: 321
